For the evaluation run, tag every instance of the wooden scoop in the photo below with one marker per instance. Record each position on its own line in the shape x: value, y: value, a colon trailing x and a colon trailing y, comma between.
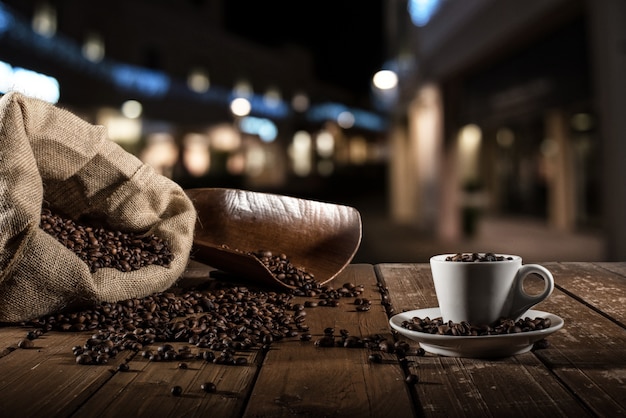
x: 322, y: 238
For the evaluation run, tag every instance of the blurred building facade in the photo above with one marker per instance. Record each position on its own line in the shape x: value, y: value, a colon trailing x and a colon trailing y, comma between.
x: 510, y: 108
x: 201, y: 104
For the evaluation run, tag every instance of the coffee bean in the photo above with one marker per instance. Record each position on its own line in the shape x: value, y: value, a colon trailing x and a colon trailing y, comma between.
x: 412, y: 379
x: 375, y: 358
x: 541, y: 344
x: 124, y: 367
x: 25, y: 343
x: 208, y: 387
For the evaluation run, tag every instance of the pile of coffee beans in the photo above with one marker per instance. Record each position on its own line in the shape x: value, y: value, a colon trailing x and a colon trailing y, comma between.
x: 503, y: 326
x: 477, y: 257
x: 219, y: 321
x: 100, y: 247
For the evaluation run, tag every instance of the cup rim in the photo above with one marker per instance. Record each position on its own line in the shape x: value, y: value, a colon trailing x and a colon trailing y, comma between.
x: 441, y: 258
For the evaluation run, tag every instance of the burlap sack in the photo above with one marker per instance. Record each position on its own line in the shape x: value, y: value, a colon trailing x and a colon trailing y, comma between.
x: 49, y: 154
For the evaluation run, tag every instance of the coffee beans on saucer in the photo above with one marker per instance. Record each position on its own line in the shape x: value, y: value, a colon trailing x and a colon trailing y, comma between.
x: 501, y: 327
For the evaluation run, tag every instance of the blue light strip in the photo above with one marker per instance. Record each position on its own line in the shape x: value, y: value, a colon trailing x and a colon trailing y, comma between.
x: 331, y: 111
x: 421, y: 11
x: 155, y: 84
x: 142, y: 81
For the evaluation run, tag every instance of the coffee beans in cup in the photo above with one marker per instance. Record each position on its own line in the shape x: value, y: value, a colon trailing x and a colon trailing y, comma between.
x: 477, y: 257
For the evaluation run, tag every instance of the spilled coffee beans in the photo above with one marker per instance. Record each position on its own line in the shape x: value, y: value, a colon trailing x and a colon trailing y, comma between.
x: 100, y: 247
x: 219, y: 321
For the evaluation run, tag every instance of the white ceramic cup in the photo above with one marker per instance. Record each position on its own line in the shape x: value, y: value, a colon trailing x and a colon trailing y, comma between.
x: 482, y: 292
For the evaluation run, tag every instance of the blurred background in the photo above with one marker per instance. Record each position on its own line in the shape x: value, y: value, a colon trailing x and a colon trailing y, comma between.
x: 451, y: 125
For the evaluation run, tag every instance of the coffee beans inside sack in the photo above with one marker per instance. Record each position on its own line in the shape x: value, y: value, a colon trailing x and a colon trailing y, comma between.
x: 101, y: 247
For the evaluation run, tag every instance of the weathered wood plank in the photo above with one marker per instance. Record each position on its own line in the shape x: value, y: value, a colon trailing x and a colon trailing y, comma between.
x: 582, y: 373
x: 145, y: 390
x: 588, y: 354
x: 301, y: 379
x: 597, y: 377
x: 597, y: 286
x: 45, y: 380
x: 9, y: 337
x: 617, y: 268
x: 515, y: 386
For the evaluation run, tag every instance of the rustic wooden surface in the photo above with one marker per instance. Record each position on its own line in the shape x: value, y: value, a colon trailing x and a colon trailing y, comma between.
x: 581, y: 373
x: 293, y: 378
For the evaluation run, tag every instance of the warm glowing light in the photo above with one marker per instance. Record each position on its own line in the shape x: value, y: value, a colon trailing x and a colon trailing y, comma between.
x: 93, y: 47
x: 132, y: 109
x: 161, y: 153
x: 302, y: 141
x: 119, y: 128
x: 45, y: 20
x: 385, y: 79
x: 300, y: 102
x: 240, y: 106
x: 236, y: 164
x: 358, y: 150
x: 255, y: 160
x: 469, y: 139
x: 300, y: 153
x: 224, y: 137
x: 196, y: 155
x: 198, y: 80
x: 325, y: 144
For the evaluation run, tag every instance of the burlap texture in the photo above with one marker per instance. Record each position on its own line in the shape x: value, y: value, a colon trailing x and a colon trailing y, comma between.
x: 49, y: 154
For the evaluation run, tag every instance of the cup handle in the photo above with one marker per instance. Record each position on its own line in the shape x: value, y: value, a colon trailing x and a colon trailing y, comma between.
x: 522, y: 301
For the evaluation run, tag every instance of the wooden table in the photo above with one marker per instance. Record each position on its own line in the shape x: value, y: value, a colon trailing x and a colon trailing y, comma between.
x: 581, y: 373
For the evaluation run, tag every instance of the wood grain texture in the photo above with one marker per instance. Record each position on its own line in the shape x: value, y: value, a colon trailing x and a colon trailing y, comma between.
x: 510, y: 386
x: 301, y: 379
x: 581, y: 373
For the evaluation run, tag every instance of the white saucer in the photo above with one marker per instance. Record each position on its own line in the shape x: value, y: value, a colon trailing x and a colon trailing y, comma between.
x: 488, y: 346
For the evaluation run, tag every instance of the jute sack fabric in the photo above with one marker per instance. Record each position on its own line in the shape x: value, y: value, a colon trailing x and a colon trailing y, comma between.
x: 48, y: 154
